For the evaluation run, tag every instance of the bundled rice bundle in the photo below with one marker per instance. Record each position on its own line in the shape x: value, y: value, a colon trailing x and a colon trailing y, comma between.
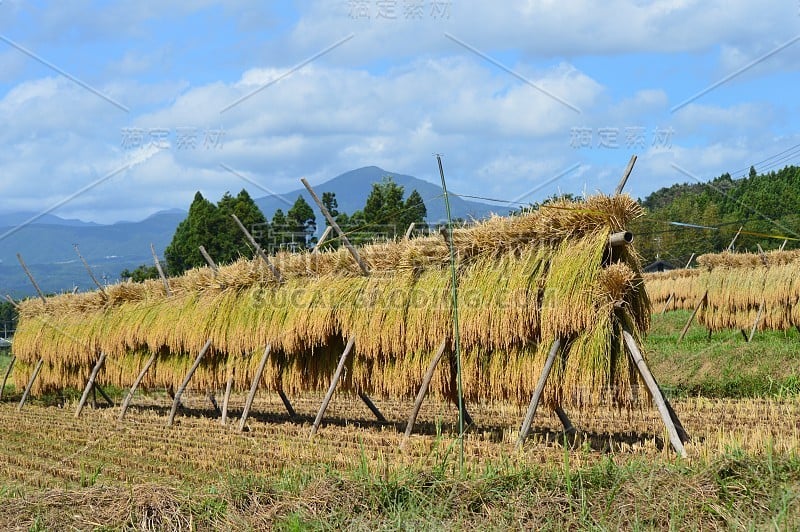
x: 523, y: 281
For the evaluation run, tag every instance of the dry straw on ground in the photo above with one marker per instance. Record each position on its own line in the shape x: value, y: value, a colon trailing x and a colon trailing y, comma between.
x: 523, y: 282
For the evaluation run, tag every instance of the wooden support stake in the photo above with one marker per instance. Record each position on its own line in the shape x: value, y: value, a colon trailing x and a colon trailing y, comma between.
x: 666, y: 305
x: 287, y: 404
x: 104, y: 395
x: 136, y: 383
x: 90, y: 383
x: 226, y: 400
x: 30, y: 276
x: 569, y: 428
x: 89, y: 269
x: 322, y: 239
x: 688, y: 262
x: 260, y: 252
x: 744, y: 335
x: 30, y: 384
x: 410, y: 229
x: 537, y: 393
x: 374, y: 409
x: 758, y: 319
x: 185, y: 383
x: 703, y: 300
x: 730, y: 246
x: 209, y: 260
x: 661, y: 403
x: 336, y: 227
x: 625, y: 175
x: 5, y: 377
x: 160, y: 270
x: 253, y: 387
x: 423, y: 389
x: 336, y: 376
x: 783, y: 245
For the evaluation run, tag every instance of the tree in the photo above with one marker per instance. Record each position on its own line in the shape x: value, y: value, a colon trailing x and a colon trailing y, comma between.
x: 415, y: 210
x: 385, y: 207
x: 752, y: 172
x: 302, y: 221
x: 142, y: 272
x: 329, y: 200
x: 8, y: 318
x: 213, y: 227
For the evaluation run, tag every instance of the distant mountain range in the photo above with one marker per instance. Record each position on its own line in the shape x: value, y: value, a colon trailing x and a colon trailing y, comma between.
x: 46, y: 242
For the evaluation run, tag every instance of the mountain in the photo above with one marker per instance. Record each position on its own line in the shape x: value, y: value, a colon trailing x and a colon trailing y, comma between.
x: 353, y: 187
x: 47, y: 249
x: 18, y: 218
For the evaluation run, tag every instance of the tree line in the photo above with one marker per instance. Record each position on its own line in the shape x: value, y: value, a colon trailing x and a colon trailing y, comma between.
x: 385, y: 214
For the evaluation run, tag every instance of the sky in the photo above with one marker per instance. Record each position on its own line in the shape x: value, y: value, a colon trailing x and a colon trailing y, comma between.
x: 116, y: 110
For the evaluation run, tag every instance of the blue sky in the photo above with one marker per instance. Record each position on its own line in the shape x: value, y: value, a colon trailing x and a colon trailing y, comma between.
x: 113, y: 111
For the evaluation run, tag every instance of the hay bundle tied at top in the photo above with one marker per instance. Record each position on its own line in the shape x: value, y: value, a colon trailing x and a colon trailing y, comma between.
x: 523, y: 282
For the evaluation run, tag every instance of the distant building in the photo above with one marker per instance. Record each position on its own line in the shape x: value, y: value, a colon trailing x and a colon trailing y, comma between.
x: 4, y: 343
x: 659, y: 265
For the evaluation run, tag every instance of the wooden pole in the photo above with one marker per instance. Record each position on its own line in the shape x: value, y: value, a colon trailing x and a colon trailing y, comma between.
x: 179, y: 393
x: 89, y: 269
x: 374, y: 409
x: 136, y: 383
x: 688, y: 262
x: 160, y: 270
x: 625, y: 175
x: 209, y: 260
x: 226, y: 400
x: 410, y: 229
x: 336, y: 376
x: 253, y: 387
x: 105, y: 396
x: 30, y: 384
x: 260, y: 252
x: 322, y: 239
x: 730, y: 246
x: 287, y: 404
x: 423, y: 389
x: 569, y: 428
x: 537, y: 393
x: 703, y: 300
x: 5, y: 377
x: 758, y: 319
x: 655, y: 392
x: 90, y: 383
x: 30, y: 276
x: 784, y: 244
x: 336, y: 227
x: 666, y: 305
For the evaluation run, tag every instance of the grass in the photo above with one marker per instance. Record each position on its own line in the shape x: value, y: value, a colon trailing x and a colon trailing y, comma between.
x: 725, y: 365
x: 734, y: 490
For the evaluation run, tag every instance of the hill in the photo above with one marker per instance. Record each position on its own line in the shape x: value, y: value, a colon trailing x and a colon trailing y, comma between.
x: 766, y: 206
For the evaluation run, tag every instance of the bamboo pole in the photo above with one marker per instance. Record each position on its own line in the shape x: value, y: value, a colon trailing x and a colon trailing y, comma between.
x: 287, y: 404
x: 253, y: 387
x: 703, y: 300
x: 655, y: 392
x: 160, y: 270
x: 260, y: 252
x: 30, y: 276
x: 90, y: 383
x: 336, y: 227
x: 423, y: 389
x: 185, y: 382
x: 30, y: 384
x: 410, y: 229
x: 783, y: 245
x: 136, y: 383
x: 226, y: 400
x: 209, y: 260
x: 89, y: 269
x: 374, y: 409
x: 322, y: 239
x: 758, y: 319
x: 730, y: 246
x: 537, y: 393
x: 5, y: 377
x: 625, y: 175
x: 666, y: 305
x: 336, y: 376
